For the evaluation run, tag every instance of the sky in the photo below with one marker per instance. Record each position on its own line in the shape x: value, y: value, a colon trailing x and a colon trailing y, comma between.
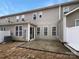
x: 15, y: 6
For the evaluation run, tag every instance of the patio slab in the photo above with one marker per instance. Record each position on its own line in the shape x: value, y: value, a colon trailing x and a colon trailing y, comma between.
x: 47, y: 45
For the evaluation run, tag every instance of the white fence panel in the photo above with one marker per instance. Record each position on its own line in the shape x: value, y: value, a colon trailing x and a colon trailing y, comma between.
x: 2, y: 34
x: 72, y: 37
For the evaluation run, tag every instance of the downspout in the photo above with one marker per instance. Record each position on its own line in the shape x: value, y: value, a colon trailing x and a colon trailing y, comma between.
x: 59, y: 18
x: 64, y: 29
x: 59, y: 11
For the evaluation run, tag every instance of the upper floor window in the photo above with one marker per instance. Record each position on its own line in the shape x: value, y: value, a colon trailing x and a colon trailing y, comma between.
x: 8, y: 21
x: 17, y: 18
x: 34, y: 16
x: 6, y: 18
x: 45, y: 31
x: 53, y: 30
x: 38, y: 30
x: 66, y: 9
x: 22, y: 17
x: 40, y: 14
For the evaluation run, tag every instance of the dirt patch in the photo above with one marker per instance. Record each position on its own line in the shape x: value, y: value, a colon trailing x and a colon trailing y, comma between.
x: 11, y: 51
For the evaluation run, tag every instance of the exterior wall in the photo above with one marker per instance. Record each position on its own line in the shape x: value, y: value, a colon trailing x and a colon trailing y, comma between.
x: 13, y: 30
x: 60, y: 30
x: 50, y: 18
x: 8, y: 28
x: 24, y: 36
x: 71, y: 19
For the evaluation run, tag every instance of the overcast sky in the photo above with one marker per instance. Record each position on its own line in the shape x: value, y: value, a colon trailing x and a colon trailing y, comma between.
x: 15, y: 6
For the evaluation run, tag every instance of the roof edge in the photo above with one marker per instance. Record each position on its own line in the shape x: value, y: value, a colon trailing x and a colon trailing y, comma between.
x: 72, y: 11
x: 39, y: 9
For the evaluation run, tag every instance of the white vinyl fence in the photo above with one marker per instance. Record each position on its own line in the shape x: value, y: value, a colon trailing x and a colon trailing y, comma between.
x: 2, y: 34
x: 72, y: 37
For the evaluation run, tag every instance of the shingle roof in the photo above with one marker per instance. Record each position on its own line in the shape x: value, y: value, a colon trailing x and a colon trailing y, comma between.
x: 39, y: 9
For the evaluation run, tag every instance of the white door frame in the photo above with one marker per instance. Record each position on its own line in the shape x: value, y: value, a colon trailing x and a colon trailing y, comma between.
x: 29, y: 25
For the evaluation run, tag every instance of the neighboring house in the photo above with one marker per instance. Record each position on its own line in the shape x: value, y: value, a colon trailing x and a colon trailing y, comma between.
x: 42, y: 23
x: 71, y: 30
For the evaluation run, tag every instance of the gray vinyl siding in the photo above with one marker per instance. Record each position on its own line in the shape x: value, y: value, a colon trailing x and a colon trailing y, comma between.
x: 49, y: 19
x: 71, y: 19
x: 71, y: 7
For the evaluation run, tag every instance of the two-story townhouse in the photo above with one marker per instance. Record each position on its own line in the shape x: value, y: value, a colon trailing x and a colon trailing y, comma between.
x: 43, y: 23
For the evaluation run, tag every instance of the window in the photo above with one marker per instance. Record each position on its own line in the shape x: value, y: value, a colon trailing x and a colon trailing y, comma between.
x: 22, y: 17
x: 17, y: 18
x: 66, y: 9
x: 77, y: 22
x: 53, y: 30
x: 11, y: 34
x: 18, y: 30
x: 40, y: 14
x: 3, y: 29
x: 34, y: 16
x: 38, y: 30
x: 8, y: 21
x: 45, y: 30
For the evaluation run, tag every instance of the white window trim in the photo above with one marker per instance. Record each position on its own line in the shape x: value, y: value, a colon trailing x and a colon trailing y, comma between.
x: 33, y: 16
x: 65, y: 7
x: 56, y: 31
x: 22, y: 16
x: 76, y: 22
x: 44, y: 30
x: 40, y: 13
x: 3, y: 29
x: 19, y: 30
x: 38, y: 31
x: 17, y: 17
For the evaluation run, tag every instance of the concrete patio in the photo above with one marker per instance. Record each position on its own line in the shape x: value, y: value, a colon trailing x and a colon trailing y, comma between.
x: 47, y: 45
